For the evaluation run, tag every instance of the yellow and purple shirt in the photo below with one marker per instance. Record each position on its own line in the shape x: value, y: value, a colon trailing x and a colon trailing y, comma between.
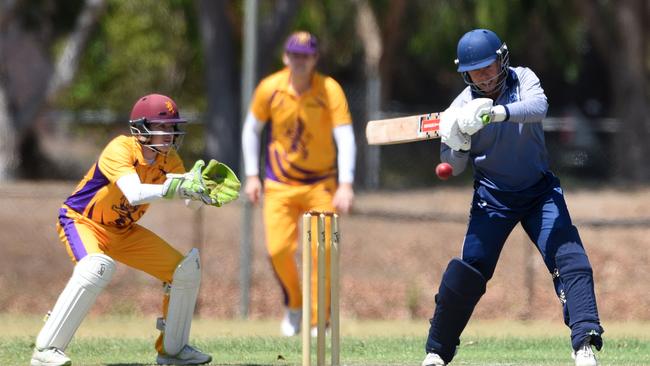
x: 301, y: 147
x: 98, y: 197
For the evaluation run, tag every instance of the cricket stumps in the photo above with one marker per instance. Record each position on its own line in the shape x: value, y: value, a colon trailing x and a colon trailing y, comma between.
x: 320, y: 221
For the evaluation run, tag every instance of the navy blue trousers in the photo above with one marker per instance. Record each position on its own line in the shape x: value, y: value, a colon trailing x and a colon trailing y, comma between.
x: 543, y: 214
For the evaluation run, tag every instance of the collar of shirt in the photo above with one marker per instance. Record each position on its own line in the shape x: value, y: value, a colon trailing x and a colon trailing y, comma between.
x: 286, y: 85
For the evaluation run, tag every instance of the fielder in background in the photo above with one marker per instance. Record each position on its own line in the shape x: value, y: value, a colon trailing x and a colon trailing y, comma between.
x: 512, y: 184
x: 97, y: 225
x: 309, y: 122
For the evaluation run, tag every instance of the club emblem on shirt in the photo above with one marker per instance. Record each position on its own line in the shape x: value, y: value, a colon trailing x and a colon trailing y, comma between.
x: 299, y: 138
x: 125, y: 212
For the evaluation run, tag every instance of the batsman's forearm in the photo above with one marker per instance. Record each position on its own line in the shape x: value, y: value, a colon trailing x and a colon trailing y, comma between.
x: 457, y: 159
x: 527, y: 111
x: 533, y: 104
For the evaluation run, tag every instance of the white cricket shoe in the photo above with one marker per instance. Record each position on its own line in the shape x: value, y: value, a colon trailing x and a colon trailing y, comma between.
x: 50, y: 357
x: 187, y: 356
x: 433, y: 359
x: 314, y: 331
x: 585, y: 356
x: 290, y: 325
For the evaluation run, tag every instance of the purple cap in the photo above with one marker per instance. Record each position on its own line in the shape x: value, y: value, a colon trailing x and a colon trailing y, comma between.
x: 301, y: 42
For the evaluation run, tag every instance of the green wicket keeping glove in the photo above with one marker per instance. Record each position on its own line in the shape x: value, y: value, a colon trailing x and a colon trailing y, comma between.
x: 189, y: 185
x: 221, y: 182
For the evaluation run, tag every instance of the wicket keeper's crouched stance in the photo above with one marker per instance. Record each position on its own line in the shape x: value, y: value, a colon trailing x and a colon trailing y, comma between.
x: 97, y: 225
x: 512, y: 184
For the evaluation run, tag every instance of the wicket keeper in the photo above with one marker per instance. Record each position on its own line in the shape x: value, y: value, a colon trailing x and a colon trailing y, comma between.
x: 97, y: 225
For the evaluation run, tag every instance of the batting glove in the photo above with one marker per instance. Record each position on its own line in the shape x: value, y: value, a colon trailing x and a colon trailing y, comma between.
x: 449, y: 131
x: 474, y: 115
x: 498, y: 113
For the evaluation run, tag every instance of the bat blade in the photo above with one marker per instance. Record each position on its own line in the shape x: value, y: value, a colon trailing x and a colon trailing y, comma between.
x: 403, y: 129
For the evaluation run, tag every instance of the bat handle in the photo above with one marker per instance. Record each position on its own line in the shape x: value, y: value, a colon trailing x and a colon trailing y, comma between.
x: 486, y: 119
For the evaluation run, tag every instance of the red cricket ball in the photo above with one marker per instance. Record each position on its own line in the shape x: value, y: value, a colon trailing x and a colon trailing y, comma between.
x: 443, y: 171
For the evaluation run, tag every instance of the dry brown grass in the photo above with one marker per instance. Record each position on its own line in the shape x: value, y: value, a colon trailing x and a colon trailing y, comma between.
x: 391, y: 268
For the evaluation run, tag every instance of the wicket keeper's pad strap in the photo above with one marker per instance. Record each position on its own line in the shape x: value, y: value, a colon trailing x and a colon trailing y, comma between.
x: 182, y: 299
x: 91, y: 274
x: 460, y: 290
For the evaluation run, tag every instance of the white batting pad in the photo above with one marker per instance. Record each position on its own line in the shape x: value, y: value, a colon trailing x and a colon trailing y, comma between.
x: 89, y: 278
x: 182, y: 299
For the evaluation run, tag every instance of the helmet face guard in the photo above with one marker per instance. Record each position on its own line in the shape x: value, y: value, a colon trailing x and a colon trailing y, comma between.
x: 141, y: 128
x: 478, y: 49
x: 156, y: 109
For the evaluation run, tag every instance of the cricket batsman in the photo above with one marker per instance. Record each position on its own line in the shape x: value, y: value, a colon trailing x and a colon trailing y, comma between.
x: 495, y: 124
x: 97, y: 226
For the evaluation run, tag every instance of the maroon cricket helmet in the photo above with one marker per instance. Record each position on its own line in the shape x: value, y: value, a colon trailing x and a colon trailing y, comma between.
x: 156, y: 108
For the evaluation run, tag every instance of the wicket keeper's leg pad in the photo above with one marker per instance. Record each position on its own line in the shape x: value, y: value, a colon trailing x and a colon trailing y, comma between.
x: 460, y: 290
x: 182, y: 301
x: 90, y: 276
x: 576, y: 277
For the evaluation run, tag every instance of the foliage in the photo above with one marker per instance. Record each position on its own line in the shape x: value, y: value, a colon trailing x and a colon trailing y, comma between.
x: 145, y: 46
x: 155, y: 45
x: 334, y: 26
x: 140, y: 47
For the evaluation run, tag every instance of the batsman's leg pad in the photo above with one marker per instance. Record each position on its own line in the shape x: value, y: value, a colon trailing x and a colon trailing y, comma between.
x: 182, y: 300
x: 460, y: 290
x: 576, y: 277
x: 90, y: 277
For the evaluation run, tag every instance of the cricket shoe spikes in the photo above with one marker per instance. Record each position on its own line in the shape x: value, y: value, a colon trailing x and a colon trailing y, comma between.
x: 433, y: 359
x: 585, y: 356
x: 290, y: 325
x: 187, y: 356
x: 50, y: 357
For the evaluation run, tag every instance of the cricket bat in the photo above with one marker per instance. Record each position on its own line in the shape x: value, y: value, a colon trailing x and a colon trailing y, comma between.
x: 403, y: 129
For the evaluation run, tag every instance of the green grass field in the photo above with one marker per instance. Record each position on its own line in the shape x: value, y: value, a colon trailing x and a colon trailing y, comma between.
x: 129, y: 341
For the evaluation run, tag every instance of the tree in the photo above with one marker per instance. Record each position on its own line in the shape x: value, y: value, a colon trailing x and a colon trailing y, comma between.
x: 219, y: 27
x: 28, y: 33
x: 619, y: 31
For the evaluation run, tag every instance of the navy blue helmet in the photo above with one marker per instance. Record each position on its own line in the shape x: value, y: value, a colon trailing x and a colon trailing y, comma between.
x: 477, y: 49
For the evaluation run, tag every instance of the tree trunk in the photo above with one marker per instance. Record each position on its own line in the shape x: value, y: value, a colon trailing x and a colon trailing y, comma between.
x: 368, y: 31
x: 8, y: 158
x: 630, y: 93
x: 393, y: 40
x: 620, y: 35
x: 26, y: 87
x: 222, y: 120
x: 273, y: 28
x: 7, y: 130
